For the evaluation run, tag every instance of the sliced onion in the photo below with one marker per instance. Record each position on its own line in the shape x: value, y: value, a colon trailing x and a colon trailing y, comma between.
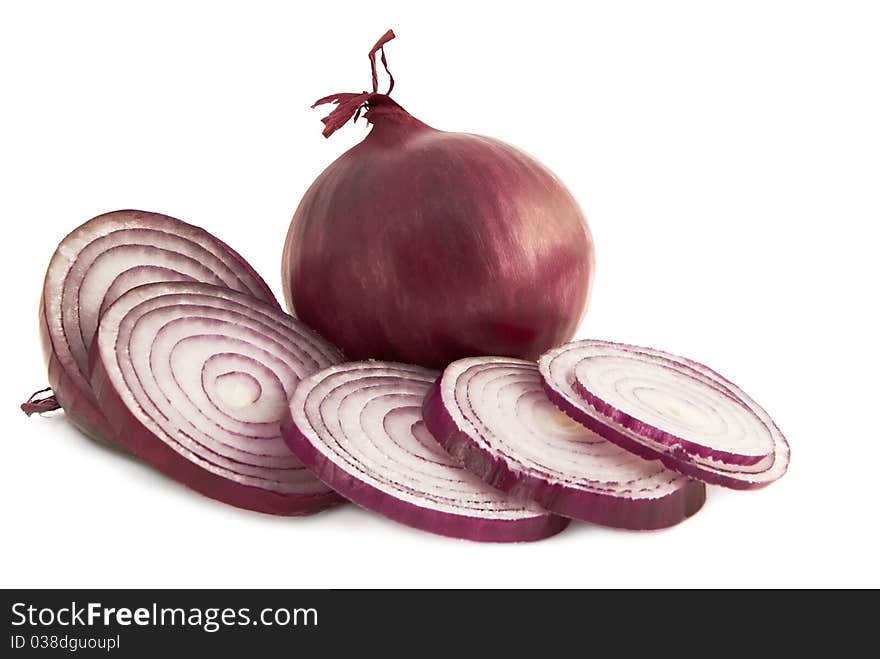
x: 195, y: 378
x: 492, y: 415
x: 97, y: 263
x: 359, y: 427
x: 663, y: 398
x: 666, y: 407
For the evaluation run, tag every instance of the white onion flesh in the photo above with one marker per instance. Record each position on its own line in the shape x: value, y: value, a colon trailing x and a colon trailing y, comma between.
x: 101, y: 260
x: 493, y: 414
x: 734, y: 457
x: 359, y: 427
x: 195, y: 379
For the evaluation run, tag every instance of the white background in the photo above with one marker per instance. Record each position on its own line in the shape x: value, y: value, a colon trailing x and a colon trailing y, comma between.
x: 726, y: 154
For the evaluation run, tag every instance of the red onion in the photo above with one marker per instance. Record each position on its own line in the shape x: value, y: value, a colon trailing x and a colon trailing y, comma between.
x: 423, y: 246
x: 359, y: 427
x: 666, y: 407
x: 493, y: 416
x: 98, y: 262
x: 194, y: 379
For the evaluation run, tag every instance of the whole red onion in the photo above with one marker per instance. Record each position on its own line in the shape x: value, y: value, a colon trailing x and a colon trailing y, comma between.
x: 424, y: 246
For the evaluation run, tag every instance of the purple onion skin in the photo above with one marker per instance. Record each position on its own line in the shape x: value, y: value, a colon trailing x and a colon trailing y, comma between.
x: 615, y: 512
x: 135, y: 437
x: 79, y: 409
x: 434, y: 521
x: 424, y: 246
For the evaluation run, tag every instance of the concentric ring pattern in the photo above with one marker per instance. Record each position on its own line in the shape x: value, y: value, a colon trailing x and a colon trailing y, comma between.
x: 98, y: 262
x: 195, y: 379
x: 359, y: 426
x: 493, y: 413
x: 699, y: 393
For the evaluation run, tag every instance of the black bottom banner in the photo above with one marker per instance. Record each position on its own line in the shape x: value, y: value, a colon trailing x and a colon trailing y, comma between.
x: 123, y: 623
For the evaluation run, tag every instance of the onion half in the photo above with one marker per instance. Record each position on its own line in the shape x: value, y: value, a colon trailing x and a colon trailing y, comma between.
x: 98, y: 262
x: 195, y: 378
x: 666, y: 407
x: 492, y: 415
x: 359, y: 427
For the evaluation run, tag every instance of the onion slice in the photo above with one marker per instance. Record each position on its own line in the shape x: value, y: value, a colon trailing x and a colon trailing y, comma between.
x: 492, y: 415
x: 662, y: 406
x: 98, y: 262
x: 195, y: 378
x: 359, y: 427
